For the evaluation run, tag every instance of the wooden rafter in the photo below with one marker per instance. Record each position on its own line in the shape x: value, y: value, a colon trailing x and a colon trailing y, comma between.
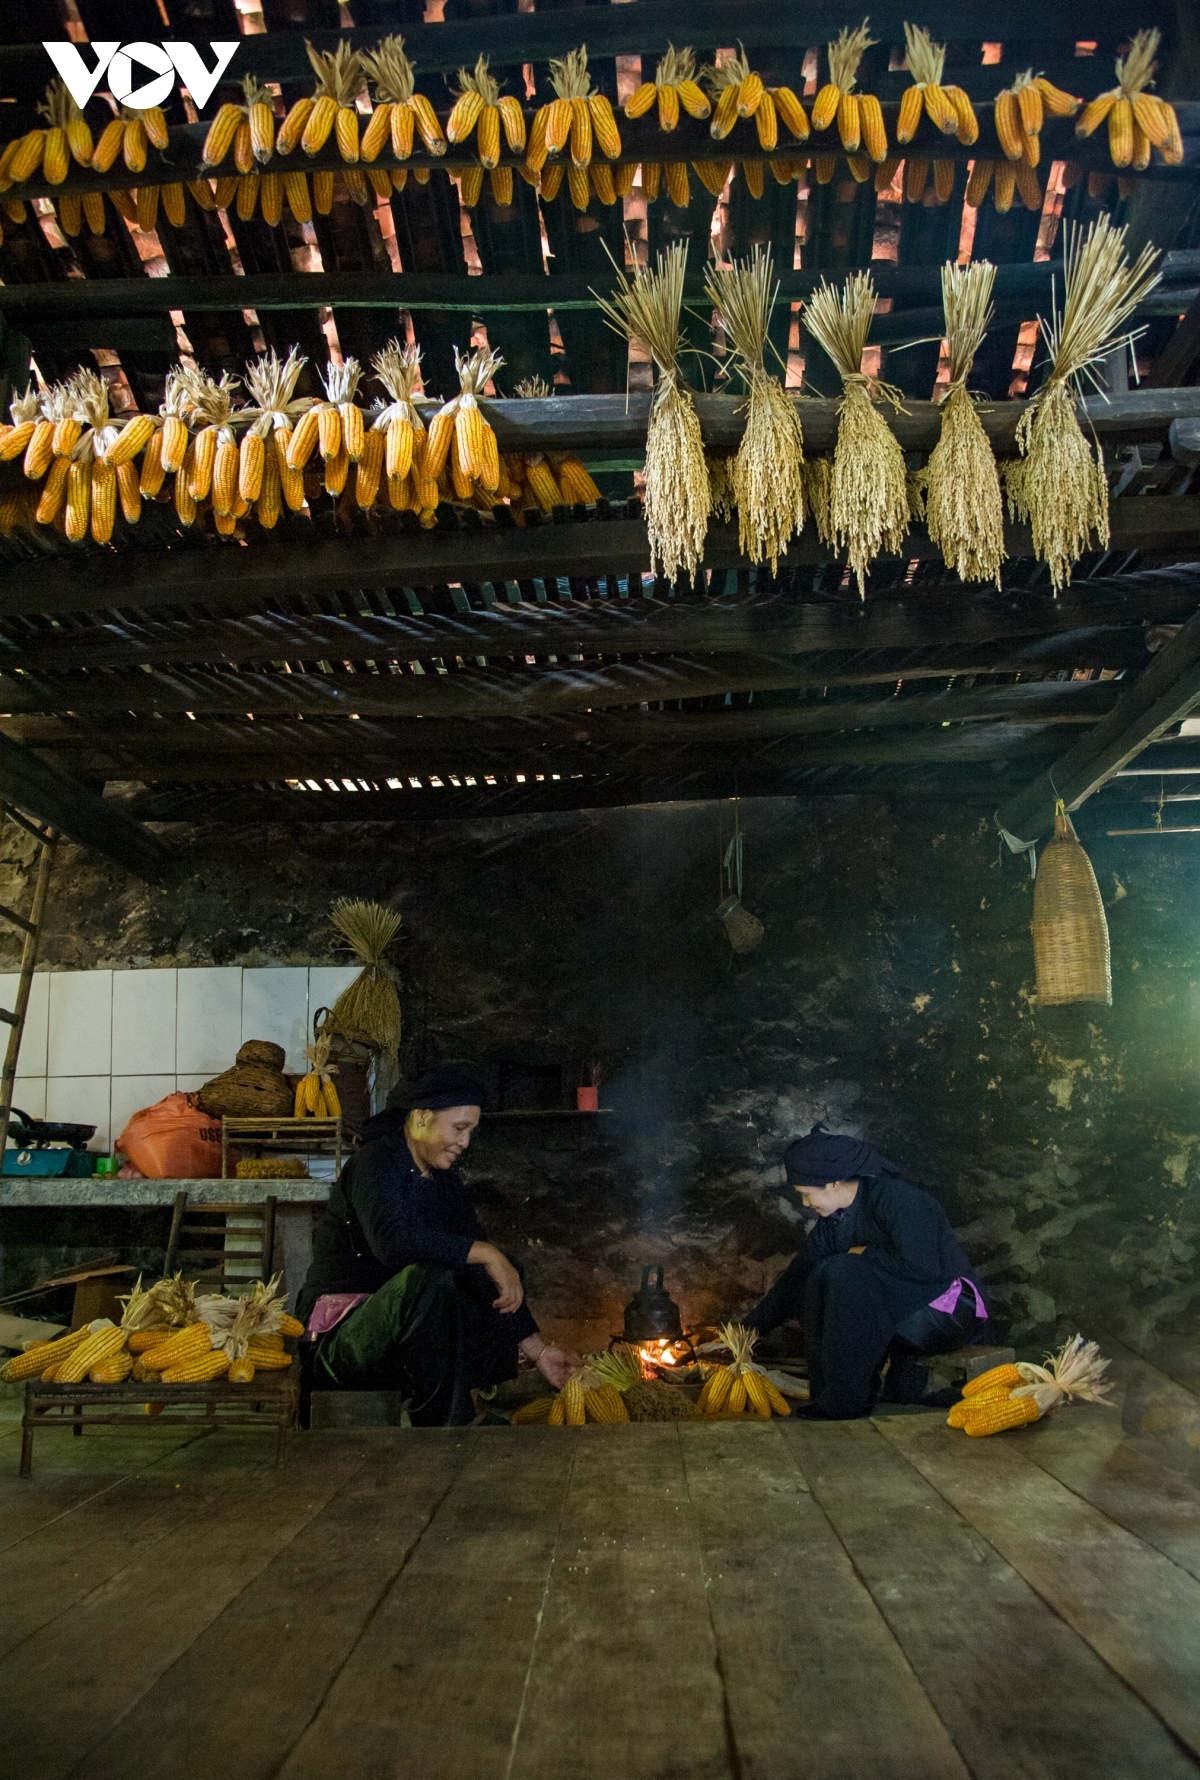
x: 49, y: 795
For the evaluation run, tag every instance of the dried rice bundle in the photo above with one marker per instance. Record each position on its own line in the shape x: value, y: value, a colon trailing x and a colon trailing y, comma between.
x: 868, y: 502
x: 964, y: 509
x: 1058, y: 484
x: 1137, y: 120
x: 369, y: 1010
x: 768, y: 486
x: 677, y: 497
x: 722, y: 499
x: 818, y: 486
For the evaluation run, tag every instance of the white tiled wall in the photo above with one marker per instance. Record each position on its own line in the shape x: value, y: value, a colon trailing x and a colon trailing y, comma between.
x: 101, y: 1044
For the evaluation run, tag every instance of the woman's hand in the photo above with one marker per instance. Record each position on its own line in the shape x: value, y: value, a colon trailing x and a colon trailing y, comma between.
x: 502, y: 1273
x: 556, y: 1365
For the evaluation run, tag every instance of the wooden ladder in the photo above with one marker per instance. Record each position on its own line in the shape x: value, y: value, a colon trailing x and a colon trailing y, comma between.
x: 31, y: 927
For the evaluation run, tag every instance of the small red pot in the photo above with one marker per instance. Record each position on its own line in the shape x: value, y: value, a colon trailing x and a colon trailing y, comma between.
x: 587, y: 1099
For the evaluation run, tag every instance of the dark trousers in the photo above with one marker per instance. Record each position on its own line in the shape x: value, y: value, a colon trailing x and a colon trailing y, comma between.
x: 855, y: 1317
x: 429, y: 1333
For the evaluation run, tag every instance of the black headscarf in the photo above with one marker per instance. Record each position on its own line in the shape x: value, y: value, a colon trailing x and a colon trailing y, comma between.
x: 446, y: 1084
x: 824, y: 1156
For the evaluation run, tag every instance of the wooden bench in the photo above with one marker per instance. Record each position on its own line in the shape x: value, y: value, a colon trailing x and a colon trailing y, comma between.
x: 270, y: 1400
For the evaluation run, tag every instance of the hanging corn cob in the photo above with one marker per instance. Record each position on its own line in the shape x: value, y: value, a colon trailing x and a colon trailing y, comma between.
x: 858, y: 116
x: 331, y: 108
x: 80, y: 489
x: 336, y: 425
x: 459, y: 436
x: 1019, y: 111
x: 316, y: 1095
x: 1058, y: 483
x: 767, y: 473
x: 1137, y: 119
x: 128, y: 135
x: 868, y: 502
x: 66, y: 138
x: 550, y: 479
x: 248, y: 129
x: 210, y: 467
x: 402, y: 430
x: 399, y: 109
x: 265, y: 477
x: 578, y: 118
x: 947, y: 107
x: 741, y: 1384
x: 647, y: 306
x: 674, y: 86
x: 25, y: 410
x: 964, y: 509
x: 739, y: 93
x: 479, y: 107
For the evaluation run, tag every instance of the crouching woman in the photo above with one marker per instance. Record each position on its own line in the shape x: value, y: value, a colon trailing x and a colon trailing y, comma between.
x: 404, y: 1293
x: 881, y: 1276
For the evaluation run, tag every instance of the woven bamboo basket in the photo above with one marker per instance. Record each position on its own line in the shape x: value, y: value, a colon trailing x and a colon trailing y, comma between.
x: 743, y: 930
x: 1070, y: 933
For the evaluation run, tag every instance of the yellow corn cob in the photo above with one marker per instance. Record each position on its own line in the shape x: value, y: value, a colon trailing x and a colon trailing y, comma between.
x: 577, y: 485
x: 28, y: 157
x: 142, y: 1340
x: 319, y: 124
x: 542, y: 484
x: 66, y: 435
x: 185, y: 500
x: 1054, y: 100
x: 995, y: 1414
x: 860, y: 172
x: 16, y: 439
x: 202, y: 193
x: 513, y: 119
x: 668, y: 107
x: 978, y: 183
x: 300, y: 1100
x: 825, y: 106
x: 147, y: 207
x: 221, y: 133
x: 267, y: 1358
x: 468, y: 432
x: 849, y: 127
x: 129, y: 492
x: 93, y: 210
x: 34, y: 1360
x: 572, y: 1395
x: 292, y: 128
x: 53, y: 492
x: 557, y: 1417
x: 581, y: 133
x: 1027, y: 185
x: 366, y: 489
x: 262, y: 130
x: 604, y: 125
x: 79, y: 139
x: 241, y: 1371
x: 352, y: 429
x: 487, y: 136
x: 112, y: 138
x: 911, y: 106
x: 39, y: 451
x: 694, y: 101
x: 678, y: 187
x: 605, y: 1404
x: 558, y: 124
x: 99, y: 1347
x: 943, y: 181
x: 56, y: 155
x: 776, y: 1398
x: 464, y: 115
x: 204, y: 457
x: 749, y: 95
x: 736, y: 1400
x: 378, y: 132
x: 962, y: 1409
x: 725, y: 114
x: 429, y: 128
x: 295, y: 190
x: 224, y: 192
x: 756, y: 1394
x: 291, y: 1326
x: 1005, y: 1377
x: 533, y: 1412
x: 577, y: 184
x: 291, y: 481
x: 712, y: 175
x: 174, y: 442
x: 50, y: 1375
x: 1120, y: 133
x: 201, y: 1368
x: 322, y: 187
x: 346, y: 129
x: 329, y: 429
x: 939, y: 110
x: 641, y: 100
x: 251, y: 460
x: 1095, y: 113
x: 185, y: 1343
x: 1029, y: 103
x: 715, y: 1391
x: 766, y: 122
x: 154, y: 122
x: 399, y: 446
x: 1006, y: 118
x: 113, y: 1371
x: 174, y: 203
x: 243, y: 148
x: 792, y: 112
x: 304, y: 439
x: 437, y: 444
x: 333, y: 1105
x: 104, y: 501
x: 79, y: 485
x: 133, y: 147
x: 967, y: 124
x: 874, y: 133
x: 153, y: 475
x: 916, y: 178
x: 270, y: 198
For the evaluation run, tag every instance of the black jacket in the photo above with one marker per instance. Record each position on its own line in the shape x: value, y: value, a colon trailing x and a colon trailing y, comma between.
x: 903, y: 1229
x: 384, y: 1214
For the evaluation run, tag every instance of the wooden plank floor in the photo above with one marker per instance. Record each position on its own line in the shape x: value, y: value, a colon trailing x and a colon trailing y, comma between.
x: 879, y: 1600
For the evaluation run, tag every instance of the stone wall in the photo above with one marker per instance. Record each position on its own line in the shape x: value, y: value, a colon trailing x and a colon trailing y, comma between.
x: 893, y: 994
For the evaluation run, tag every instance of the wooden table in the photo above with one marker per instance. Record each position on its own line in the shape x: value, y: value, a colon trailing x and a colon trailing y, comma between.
x: 271, y: 1399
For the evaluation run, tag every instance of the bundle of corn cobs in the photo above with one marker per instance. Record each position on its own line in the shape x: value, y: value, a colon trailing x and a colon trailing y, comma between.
x: 168, y: 1335
x: 594, y: 1393
x: 1013, y: 1395
x: 741, y: 1385
x: 316, y: 1096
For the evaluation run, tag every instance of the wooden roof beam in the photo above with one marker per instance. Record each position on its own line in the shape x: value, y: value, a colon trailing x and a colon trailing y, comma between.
x: 47, y: 794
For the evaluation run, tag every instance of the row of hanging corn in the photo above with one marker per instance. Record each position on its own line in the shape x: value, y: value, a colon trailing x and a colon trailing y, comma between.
x: 564, y: 135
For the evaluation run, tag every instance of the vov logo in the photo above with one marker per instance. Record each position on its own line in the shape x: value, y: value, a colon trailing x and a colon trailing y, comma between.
x: 127, y: 82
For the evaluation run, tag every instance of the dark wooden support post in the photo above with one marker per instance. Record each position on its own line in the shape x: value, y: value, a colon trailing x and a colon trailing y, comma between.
x: 50, y: 795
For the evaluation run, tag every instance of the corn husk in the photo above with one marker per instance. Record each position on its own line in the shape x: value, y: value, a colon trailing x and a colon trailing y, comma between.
x: 1058, y: 483
x: 1075, y: 1371
x: 868, y: 502
x: 768, y: 471
x: 677, y: 493
x: 964, y: 509
x: 167, y: 1304
x: 620, y: 1366
x: 369, y: 1009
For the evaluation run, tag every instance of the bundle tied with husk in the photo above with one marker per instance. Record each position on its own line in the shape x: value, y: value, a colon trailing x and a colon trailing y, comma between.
x: 1058, y: 484
x: 167, y: 1304
x: 868, y: 501
x: 964, y: 509
x: 368, y: 1011
x: 1076, y: 1371
x: 647, y: 307
x: 768, y: 471
x: 741, y: 1385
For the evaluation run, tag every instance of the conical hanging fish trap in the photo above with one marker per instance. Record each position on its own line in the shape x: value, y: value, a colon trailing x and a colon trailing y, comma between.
x: 1070, y: 933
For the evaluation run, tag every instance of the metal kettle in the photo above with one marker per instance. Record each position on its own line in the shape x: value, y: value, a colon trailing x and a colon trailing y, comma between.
x: 652, y: 1314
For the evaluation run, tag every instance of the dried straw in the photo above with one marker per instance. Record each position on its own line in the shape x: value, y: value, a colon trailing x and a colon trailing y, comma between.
x: 722, y: 499
x: 768, y: 471
x: 964, y: 509
x: 369, y: 1010
x: 868, y: 501
x: 1058, y: 484
x: 647, y: 306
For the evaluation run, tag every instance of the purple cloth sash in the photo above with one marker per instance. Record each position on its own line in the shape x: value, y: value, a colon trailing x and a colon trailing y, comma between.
x: 330, y: 1309
x: 947, y: 1302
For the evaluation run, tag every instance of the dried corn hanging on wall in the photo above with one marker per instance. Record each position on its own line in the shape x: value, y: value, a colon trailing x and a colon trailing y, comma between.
x: 479, y: 108
x: 50, y: 150
x: 336, y: 425
x: 398, y: 368
x: 947, y: 107
x: 673, y: 88
x: 316, y: 1095
x: 459, y: 437
x: 247, y: 129
x: 1137, y: 119
x: 578, y: 119
x: 858, y: 116
x: 330, y: 110
x: 399, y: 109
x: 265, y: 477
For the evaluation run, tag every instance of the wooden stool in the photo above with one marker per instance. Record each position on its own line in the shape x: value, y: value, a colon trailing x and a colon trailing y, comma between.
x: 269, y: 1400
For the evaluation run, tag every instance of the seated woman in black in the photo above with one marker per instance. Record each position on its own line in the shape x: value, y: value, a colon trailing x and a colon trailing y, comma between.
x: 404, y: 1294
x: 881, y: 1273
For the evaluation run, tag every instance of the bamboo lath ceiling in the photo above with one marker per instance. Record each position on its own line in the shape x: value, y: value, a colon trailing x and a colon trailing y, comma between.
x: 359, y: 667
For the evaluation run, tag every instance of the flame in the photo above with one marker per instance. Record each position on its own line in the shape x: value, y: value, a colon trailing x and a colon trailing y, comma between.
x: 658, y: 1353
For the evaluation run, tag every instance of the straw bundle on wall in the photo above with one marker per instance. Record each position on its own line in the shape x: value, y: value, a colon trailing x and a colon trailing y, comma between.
x: 677, y: 494
x: 1070, y: 932
x: 1058, y: 484
x: 369, y: 1010
x: 868, y: 500
x: 964, y: 509
x: 768, y: 471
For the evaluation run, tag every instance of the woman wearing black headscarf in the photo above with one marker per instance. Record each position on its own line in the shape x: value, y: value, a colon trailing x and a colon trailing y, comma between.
x: 880, y: 1273
x: 404, y: 1292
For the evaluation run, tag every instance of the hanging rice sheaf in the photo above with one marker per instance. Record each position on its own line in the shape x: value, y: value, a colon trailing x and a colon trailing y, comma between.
x: 647, y: 307
x: 767, y: 473
x: 1070, y: 932
x: 859, y: 116
x: 1138, y: 120
x: 964, y: 508
x: 1058, y: 484
x: 868, y: 499
x: 369, y: 1009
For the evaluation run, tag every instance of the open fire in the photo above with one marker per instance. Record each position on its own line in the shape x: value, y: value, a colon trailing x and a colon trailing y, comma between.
x: 664, y: 1353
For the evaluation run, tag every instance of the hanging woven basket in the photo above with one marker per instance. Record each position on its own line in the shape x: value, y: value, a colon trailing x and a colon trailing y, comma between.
x: 743, y: 930
x: 1070, y: 933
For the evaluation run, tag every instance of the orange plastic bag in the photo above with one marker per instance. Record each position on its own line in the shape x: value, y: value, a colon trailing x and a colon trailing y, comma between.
x: 173, y: 1140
